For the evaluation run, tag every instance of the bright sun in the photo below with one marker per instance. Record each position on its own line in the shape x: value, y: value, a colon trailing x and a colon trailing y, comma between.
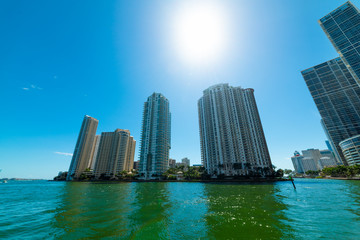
x: 200, y: 32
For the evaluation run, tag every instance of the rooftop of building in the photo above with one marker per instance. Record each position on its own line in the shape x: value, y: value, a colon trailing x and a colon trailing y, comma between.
x: 224, y: 85
x: 310, y: 69
x: 335, y: 11
x: 155, y: 94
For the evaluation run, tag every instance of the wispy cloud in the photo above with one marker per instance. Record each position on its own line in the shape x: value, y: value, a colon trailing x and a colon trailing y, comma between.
x: 65, y: 154
x: 32, y: 86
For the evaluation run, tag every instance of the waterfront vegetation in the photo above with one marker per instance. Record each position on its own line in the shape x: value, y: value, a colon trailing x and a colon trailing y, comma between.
x: 178, y: 173
x: 350, y: 172
x: 341, y: 171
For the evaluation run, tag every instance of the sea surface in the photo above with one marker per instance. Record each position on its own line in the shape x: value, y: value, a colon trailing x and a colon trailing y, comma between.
x: 317, y: 209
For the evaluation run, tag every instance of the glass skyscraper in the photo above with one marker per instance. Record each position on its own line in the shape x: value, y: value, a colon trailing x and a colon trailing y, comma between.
x: 337, y: 97
x: 155, y: 137
x: 342, y: 27
x: 232, y: 138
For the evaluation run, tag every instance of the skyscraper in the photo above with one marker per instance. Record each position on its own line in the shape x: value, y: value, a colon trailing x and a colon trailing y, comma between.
x: 231, y: 134
x: 81, y: 159
x: 94, y: 151
x: 155, y: 137
x: 342, y: 27
x: 115, y: 153
x: 337, y: 97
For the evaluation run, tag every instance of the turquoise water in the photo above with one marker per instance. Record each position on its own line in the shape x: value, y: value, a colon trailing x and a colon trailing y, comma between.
x: 318, y: 209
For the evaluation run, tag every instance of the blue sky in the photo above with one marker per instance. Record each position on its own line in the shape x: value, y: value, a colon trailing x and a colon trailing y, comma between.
x: 63, y: 59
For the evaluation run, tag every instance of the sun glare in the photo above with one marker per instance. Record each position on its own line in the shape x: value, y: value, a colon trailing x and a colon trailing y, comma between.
x: 200, y: 32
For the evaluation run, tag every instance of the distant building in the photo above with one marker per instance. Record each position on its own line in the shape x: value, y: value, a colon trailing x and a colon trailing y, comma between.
x: 81, y: 159
x: 309, y: 164
x: 172, y: 163
x: 136, y: 165
x: 232, y: 137
x: 115, y: 154
x: 326, y: 162
x: 155, y: 137
x: 329, y: 145
x: 185, y: 161
x: 351, y: 150
x: 312, y: 159
x: 297, y: 162
x: 197, y: 165
x: 336, y: 95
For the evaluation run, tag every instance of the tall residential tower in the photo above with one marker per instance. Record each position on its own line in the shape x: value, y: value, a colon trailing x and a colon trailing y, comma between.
x: 232, y: 138
x: 115, y: 154
x: 81, y: 159
x: 155, y: 137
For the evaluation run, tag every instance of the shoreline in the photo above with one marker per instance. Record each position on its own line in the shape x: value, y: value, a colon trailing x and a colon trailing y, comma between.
x: 330, y: 178
x: 192, y: 181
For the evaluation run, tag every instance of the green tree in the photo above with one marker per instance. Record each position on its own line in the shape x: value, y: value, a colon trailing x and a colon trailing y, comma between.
x: 279, y: 173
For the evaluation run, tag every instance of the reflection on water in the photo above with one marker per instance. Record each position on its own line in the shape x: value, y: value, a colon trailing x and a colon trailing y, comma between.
x: 318, y: 209
x: 245, y: 211
x: 149, y: 218
x: 94, y: 210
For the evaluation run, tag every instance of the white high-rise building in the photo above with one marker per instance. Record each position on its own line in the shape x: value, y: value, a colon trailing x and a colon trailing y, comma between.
x: 81, y: 159
x: 155, y: 137
x: 232, y: 138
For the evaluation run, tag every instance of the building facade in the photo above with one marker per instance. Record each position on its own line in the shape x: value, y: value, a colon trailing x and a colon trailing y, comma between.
x: 351, y: 150
x: 232, y: 138
x: 337, y: 97
x: 172, y: 163
x: 115, y: 154
x: 185, y: 161
x: 342, y: 27
x: 136, y: 165
x: 313, y: 159
x: 155, y: 137
x: 297, y: 162
x: 81, y: 159
x: 94, y: 151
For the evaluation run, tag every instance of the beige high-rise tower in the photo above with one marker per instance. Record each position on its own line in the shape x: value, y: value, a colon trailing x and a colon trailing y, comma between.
x: 82, y: 154
x: 115, y: 154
